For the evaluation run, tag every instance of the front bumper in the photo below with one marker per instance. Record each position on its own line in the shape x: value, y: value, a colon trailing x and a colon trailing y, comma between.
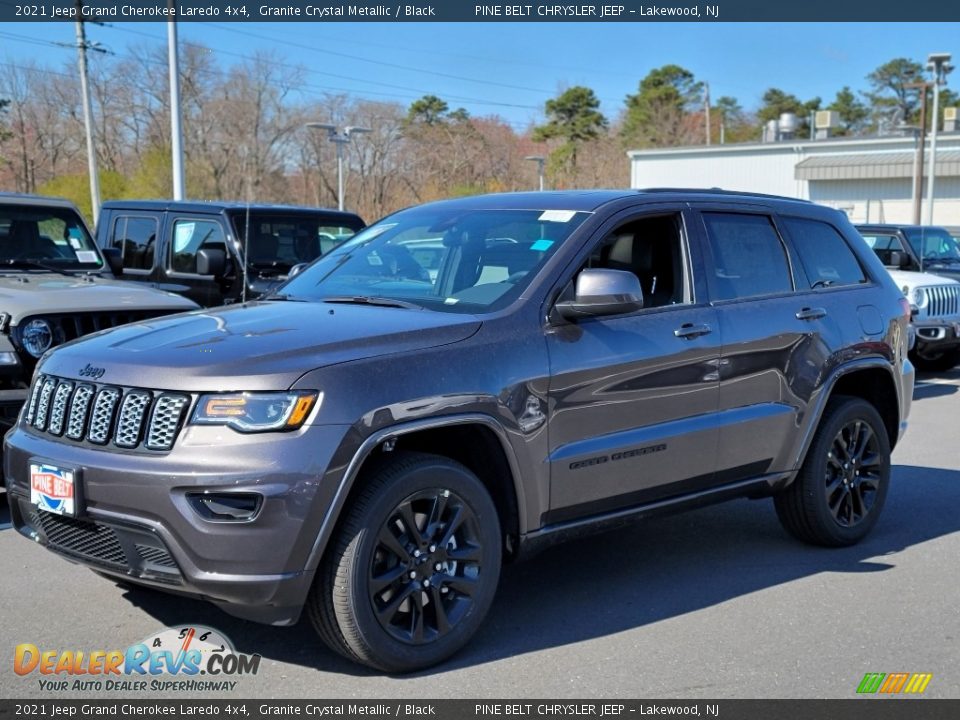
x: 936, y: 335
x: 136, y: 521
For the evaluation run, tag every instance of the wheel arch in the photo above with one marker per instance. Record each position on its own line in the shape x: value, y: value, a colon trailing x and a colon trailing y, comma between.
x: 869, y: 379
x: 475, y: 440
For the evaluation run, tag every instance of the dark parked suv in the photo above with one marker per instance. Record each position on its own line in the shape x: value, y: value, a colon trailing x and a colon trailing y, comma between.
x: 461, y: 383
x: 197, y: 249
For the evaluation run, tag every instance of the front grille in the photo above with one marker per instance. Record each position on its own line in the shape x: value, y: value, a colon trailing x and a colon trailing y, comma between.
x: 155, y: 556
x: 127, y: 418
x: 942, y: 301
x: 92, y: 541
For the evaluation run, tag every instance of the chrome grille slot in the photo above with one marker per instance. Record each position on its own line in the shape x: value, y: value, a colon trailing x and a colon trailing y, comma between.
x: 107, y: 415
x: 34, y: 396
x: 130, y: 421
x: 58, y: 411
x: 43, y: 404
x: 165, y: 421
x: 102, y: 419
x: 942, y: 301
x: 79, y: 412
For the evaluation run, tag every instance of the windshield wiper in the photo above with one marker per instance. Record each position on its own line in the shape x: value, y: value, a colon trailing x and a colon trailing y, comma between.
x: 28, y: 263
x: 372, y: 300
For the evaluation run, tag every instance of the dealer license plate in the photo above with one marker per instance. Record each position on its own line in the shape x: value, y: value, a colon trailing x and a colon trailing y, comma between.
x: 53, y: 489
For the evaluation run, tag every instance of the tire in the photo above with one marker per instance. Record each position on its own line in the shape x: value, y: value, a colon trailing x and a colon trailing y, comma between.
x: 936, y: 362
x: 413, y: 567
x: 839, y: 493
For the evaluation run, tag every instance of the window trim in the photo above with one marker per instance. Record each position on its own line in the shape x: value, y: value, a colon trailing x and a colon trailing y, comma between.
x: 174, y: 219
x: 113, y: 236
x: 625, y: 217
x: 771, y: 217
x: 867, y: 279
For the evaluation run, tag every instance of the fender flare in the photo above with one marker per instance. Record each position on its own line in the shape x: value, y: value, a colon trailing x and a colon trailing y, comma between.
x: 825, y: 392
x: 360, y: 456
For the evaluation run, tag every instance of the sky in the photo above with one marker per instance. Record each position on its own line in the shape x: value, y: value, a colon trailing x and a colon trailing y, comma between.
x: 511, y: 69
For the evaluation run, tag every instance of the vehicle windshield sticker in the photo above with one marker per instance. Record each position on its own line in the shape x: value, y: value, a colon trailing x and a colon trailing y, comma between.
x: 557, y: 215
x: 181, y: 235
x: 87, y: 256
x: 541, y: 245
x: 75, y: 243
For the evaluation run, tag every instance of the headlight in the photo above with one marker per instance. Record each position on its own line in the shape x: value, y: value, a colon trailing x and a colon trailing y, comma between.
x: 919, y: 297
x: 36, y: 337
x: 256, y: 412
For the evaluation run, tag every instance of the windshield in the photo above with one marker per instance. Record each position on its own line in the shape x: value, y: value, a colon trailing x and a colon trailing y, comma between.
x: 440, y: 258
x: 933, y: 245
x: 54, y: 237
x: 278, y: 242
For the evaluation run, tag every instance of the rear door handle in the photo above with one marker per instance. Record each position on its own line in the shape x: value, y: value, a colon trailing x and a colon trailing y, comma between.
x: 809, y: 313
x: 689, y: 330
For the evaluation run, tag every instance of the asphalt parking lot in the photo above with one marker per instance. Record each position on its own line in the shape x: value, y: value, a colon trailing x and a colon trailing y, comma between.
x: 717, y: 603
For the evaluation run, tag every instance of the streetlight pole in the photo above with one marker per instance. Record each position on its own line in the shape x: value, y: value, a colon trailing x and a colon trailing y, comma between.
x: 82, y: 47
x: 176, y: 133
x: 939, y: 64
x: 921, y: 137
x: 539, y: 160
x: 340, y: 138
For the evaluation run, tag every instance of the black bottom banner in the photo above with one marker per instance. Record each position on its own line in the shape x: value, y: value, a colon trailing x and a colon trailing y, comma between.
x: 854, y: 709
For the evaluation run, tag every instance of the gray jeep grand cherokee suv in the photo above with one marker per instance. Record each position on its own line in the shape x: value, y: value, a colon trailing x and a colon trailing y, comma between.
x: 461, y: 383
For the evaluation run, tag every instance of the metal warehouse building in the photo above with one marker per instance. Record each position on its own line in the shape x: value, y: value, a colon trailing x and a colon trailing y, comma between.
x: 871, y: 179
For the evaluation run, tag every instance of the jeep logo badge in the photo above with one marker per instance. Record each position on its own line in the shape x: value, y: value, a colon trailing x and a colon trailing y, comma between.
x: 92, y: 372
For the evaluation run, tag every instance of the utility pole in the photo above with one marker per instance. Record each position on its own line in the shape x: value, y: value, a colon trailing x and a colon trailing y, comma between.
x: 176, y: 132
x: 939, y: 65
x: 82, y: 47
x: 706, y: 109
x: 918, y: 158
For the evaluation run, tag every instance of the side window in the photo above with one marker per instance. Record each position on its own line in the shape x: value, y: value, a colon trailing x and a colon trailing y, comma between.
x: 824, y: 253
x: 748, y: 257
x: 650, y: 248
x: 189, y: 235
x: 883, y: 246
x: 136, y: 239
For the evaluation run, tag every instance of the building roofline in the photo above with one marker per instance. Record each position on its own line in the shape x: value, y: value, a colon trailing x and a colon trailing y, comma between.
x: 794, y: 145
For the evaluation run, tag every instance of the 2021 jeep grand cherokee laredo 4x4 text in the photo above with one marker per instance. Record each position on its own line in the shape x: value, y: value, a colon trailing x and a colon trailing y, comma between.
x: 373, y: 441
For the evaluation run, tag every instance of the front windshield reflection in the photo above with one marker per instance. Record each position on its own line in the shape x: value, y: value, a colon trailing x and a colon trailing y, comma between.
x: 442, y: 259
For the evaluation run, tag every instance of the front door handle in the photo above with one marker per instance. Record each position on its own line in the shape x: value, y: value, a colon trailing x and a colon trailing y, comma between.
x: 810, y: 313
x: 689, y: 330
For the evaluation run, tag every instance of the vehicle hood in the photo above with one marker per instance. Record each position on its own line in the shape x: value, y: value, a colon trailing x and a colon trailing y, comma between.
x: 25, y: 294
x: 258, y: 346
x: 905, y: 278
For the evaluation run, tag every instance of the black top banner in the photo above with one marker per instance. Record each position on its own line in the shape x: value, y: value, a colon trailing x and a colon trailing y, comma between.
x: 849, y: 11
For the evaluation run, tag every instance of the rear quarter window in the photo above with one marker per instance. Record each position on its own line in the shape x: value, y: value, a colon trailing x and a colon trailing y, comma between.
x: 824, y: 253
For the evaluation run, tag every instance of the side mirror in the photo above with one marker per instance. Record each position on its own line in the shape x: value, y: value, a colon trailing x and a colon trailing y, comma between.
x: 114, y: 260
x: 603, y: 292
x: 899, y: 259
x: 211, y: 261
x: 297, y: 269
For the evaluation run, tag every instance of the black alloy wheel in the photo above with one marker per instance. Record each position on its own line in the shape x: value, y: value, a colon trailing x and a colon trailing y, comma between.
x: 414, y: 565
x: 425, y: 568
x: 839, y: 492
